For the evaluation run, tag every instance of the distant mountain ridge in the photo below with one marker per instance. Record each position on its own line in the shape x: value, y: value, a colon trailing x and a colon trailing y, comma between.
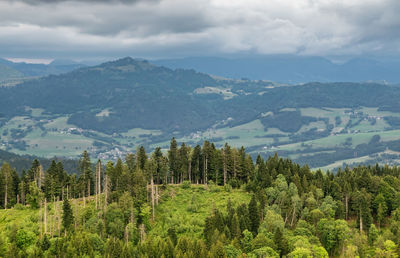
x: 291, y: 68
x: 38, y: 70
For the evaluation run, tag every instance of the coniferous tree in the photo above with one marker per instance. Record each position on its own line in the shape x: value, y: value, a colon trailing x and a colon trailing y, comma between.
x: 254, y: 216
x: 280, y: 242
x: 68, y: 216
x: 183, y: 162
x: 130, y: 161
x: 141, y: 157
x: 6, y: 176
x: 235, y: 227
x: 362, y: 201
x: 173, y: 159
x: 196, y: 164
x: 157, y: 156
x: 86, y: 174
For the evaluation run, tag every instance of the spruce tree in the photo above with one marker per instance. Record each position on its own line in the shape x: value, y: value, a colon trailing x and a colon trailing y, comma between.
x: 173, y: 159
x: 86, y: 174
x: 6, y: 176
x: 68, y: 216
x: 141, y: 158
x: 254, y: 216
x: 235, y: 227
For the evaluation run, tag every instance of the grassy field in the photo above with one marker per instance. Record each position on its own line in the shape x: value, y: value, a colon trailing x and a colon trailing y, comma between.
x: 187, y: 209
x: 363, y: 159
x: 52, y: 136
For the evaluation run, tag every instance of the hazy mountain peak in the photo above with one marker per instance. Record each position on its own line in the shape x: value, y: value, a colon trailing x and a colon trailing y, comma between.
x: 129, y: 64
x: 56, y: 62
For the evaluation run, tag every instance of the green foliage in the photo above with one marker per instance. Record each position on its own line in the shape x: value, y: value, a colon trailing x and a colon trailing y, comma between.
x: 254, y: 216
x: 372, y: 234
x: 264, y: 252
x: 333, y: 234
x: 24, y: 239
x: 228, y: 188
x: 35, y: 196
x: 296, y: 213
x: 114, y: 221
x: 186, y: 184
x: 68, y: 216
x: 246, y: 241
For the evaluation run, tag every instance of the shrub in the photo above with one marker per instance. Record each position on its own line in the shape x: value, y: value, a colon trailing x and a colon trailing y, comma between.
x: 24, y: 238
x: 228, y: 188
x: 186, y: 185
x: 19, y: 206
x: 234, y: 183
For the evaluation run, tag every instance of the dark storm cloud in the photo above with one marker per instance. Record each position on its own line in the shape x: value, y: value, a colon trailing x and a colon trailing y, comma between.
x: 193, y: 27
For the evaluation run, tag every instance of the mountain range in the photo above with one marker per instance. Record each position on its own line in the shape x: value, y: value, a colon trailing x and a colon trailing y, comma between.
x: 292, y: 69
x: 12, y: 73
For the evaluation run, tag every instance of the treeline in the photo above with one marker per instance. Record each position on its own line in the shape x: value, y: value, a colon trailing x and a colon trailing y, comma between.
x: 198, y: 165
x: 293, y: 211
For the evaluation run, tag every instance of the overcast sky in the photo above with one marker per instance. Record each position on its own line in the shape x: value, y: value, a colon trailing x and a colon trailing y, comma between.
x: 87, y: 29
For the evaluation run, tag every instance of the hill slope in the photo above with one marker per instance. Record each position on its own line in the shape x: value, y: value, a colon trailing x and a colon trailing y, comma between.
x: 114, y: 107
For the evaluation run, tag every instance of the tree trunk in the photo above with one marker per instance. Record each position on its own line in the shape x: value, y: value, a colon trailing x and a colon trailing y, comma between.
x: 205, y: 170
x: 88, y: 185
x: 58, y: 217
x: 234, y: 166
x: 190, y: 171
x: 105, y: 192
x: 224, y: 159
x: 45, y: 215
x: 126, y: 234
x: 152, y: 195
x: 361, y: 222
x: 99, y: 182
x: 156, y: 195
x: 293, y: 215
x: 23, y: 192
x: 142, y: 232
x: 40, y: 176
x: 96, y: 191
x: 5, y: 195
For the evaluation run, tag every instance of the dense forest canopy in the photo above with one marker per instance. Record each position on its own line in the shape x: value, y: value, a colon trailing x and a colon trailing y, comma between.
x: 260, y: 208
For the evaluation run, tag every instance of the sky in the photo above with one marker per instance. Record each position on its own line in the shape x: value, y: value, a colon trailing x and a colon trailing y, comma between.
x: 101, y: 29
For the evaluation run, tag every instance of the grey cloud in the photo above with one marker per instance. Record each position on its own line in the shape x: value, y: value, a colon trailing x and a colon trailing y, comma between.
x: 140, y: 20
x: 199, y: 27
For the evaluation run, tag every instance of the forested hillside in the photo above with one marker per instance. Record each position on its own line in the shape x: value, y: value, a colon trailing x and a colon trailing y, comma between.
x: 110, y: 108
x: 199, y: 202
x: 24, y: 162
